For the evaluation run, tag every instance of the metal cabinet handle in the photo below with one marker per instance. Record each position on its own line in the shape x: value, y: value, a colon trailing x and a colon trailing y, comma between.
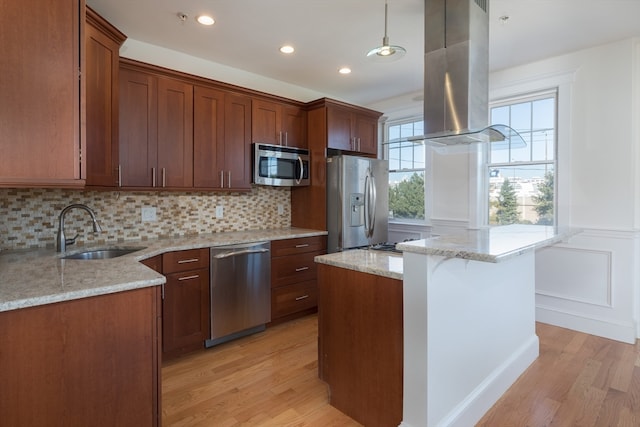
x: 302, y: 297
x: 164, y: 177
x: 240, y: 252
x: 286, y: 139
x: 153, y: 177
x: 186, y: 261
x: 119, y: 175
x: 302, y: 268
x: 304, y: 245
x: 229, y: 180
x: 221, y: 179
x: 195, y: 276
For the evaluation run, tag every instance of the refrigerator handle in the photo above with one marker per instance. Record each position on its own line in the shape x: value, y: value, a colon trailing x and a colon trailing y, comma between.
x: 372, y: 205
x: 367, y: 205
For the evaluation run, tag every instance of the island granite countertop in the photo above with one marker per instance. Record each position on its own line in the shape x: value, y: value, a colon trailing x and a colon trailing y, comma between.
x: 492, y: 244
x: 35, y: 277
x: 380, y: 263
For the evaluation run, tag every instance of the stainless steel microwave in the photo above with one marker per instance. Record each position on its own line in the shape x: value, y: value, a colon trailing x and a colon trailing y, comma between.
x: 280, y: 166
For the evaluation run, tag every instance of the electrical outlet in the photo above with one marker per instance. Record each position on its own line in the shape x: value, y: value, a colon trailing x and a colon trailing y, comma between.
x: 148, y: 213
x: 280, y: 210
x: 219, y: 212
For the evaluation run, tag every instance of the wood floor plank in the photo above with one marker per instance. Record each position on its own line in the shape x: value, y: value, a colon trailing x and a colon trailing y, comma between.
x: 270, y: 379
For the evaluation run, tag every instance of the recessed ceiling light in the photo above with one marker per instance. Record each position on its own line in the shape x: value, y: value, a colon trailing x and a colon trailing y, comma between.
x: 287, y: 49
x: 344, y: 70
x: 205, y: 20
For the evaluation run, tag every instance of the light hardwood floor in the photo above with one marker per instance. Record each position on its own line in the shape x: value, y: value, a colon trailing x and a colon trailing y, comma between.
x: 270, y: 379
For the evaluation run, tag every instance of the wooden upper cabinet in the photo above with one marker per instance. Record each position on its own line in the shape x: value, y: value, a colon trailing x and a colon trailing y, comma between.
x: 156, y: 131
x: 41, y: 121
x: 102, y: 44
x: 237, y: 141
x: 175, y: 134
x: 339, y: 129
x: 208, y: 137
x: 138, y: 128
x: 294, y: 126
x: 278, y: 123
x: 221, y: 140
x: 349, y: 129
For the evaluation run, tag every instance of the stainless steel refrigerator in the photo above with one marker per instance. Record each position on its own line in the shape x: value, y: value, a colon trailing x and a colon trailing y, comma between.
x: 357, y: 202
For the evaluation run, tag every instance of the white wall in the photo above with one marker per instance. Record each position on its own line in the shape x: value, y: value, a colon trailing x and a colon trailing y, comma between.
x: 591, y: 282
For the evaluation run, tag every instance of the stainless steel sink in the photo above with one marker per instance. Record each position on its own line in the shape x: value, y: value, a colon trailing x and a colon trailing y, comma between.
x: 103, y: 253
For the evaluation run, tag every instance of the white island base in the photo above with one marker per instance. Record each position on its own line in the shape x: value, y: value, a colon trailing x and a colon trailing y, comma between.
x: 469, y: 333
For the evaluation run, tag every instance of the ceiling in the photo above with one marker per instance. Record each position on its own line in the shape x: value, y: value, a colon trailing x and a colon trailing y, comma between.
x: 329, y: 34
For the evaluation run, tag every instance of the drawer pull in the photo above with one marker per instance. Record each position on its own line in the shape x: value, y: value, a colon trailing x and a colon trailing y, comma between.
x: 302, y: 297
x: 304, y: 245
x: 187, y: 261
x: 195, y: 276
x: 302, y: 268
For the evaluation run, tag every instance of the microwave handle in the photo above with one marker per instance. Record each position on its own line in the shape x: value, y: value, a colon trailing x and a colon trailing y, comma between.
x: 301, y: 170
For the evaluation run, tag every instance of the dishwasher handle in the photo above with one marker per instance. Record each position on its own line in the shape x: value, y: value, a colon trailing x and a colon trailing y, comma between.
x: 240, y: 252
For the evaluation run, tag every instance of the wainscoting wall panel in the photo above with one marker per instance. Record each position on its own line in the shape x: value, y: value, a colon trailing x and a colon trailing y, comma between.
x: 590, y: 284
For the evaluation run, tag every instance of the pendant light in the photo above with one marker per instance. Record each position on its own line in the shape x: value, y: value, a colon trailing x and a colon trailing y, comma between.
x: 386, y: 52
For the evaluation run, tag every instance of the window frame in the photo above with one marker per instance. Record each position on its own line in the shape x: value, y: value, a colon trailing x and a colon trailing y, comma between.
x: 532, y: 96
x: 386, y: 142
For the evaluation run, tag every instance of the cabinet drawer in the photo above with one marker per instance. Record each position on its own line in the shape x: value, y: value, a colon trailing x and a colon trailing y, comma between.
x: 192, y: 259
x: 299, y: 245
x: 293, y: 269
x: 293, y: 298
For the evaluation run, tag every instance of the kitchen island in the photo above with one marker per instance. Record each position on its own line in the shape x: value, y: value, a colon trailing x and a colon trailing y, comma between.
x: 468, y: 304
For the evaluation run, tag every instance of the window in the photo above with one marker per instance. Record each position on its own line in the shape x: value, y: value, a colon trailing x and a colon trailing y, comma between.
x: 522, y: 175
x: 406, y: 171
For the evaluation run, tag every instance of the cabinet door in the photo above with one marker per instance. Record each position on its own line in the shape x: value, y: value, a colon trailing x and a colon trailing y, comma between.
x: 294, y: 126
x: 101, y: 77
x: 138, y: 128
x: 237, y: 142
x: 208, y: 137
x: 366, y: 132
x: 185, y: 311
x: 266, y: 120
x: 40, y: 115
x: 86, y: 362
x: 175, y: 134
x: 339, y: 129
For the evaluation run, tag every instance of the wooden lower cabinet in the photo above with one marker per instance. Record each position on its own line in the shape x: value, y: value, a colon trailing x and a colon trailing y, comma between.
x: 294, y: 276
x: 360, y: 344
x: 88, y: 362
x: 186, y: 301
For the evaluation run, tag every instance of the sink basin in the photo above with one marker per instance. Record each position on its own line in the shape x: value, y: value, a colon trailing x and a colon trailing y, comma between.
x: 106, y: 253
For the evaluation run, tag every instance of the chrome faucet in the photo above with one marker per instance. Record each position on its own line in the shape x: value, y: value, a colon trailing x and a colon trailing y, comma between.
x: 61, y: 240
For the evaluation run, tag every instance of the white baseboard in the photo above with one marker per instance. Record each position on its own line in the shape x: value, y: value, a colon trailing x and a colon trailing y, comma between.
x: 607, y: 328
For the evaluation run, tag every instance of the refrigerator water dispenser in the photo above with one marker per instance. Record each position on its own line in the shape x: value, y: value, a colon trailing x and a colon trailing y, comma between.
x: 357, y: 209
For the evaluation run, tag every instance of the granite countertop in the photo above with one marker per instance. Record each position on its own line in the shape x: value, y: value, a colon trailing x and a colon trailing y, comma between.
x: 380, y: 263
x: 493, y: 244
x: 36, y: 277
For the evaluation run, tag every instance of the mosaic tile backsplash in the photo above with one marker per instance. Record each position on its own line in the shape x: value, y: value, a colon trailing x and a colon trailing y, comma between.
x: 29, y: 217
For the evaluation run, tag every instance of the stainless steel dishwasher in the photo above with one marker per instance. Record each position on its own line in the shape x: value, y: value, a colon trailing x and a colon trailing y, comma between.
x: 240, y: 290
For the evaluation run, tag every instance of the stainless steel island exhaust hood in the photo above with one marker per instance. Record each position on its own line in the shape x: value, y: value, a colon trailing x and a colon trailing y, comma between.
x: 456, y: 75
